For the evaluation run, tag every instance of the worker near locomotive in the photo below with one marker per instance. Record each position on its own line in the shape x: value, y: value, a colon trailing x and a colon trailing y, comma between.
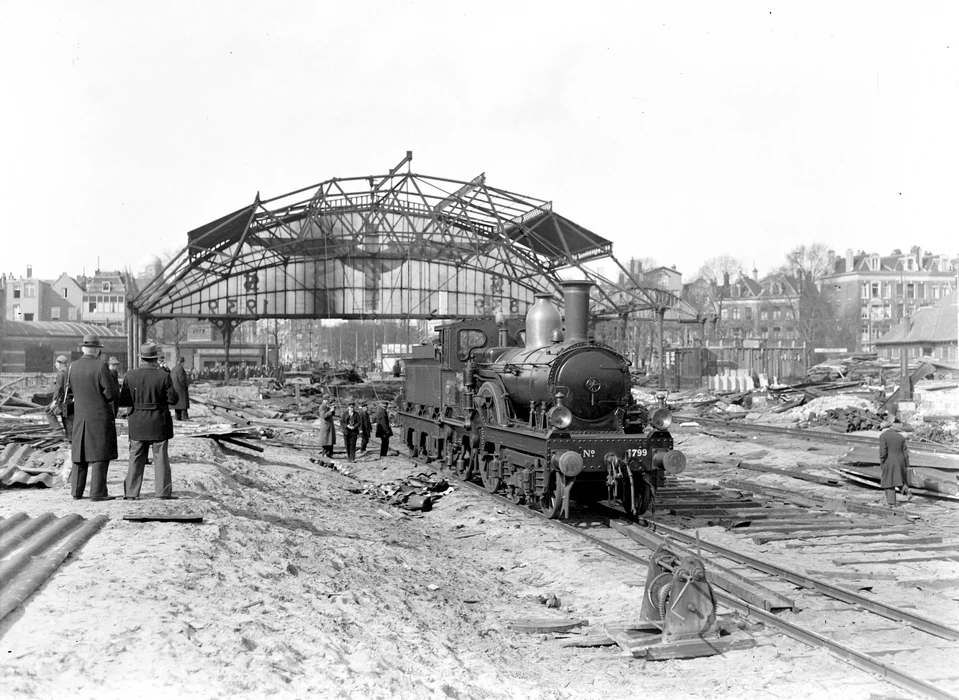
x: 537, y: 412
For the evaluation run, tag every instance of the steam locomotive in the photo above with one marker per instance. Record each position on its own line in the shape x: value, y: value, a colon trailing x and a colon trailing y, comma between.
x: 540, y: 415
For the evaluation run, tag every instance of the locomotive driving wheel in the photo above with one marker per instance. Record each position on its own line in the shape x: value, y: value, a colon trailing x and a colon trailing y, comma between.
x: 552, y: 501
x: 490, y: 482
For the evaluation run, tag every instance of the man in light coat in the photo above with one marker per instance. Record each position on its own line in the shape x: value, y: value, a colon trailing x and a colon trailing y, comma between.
x: 93, y: 390
x: 327, y: 428
x: 149, y: 393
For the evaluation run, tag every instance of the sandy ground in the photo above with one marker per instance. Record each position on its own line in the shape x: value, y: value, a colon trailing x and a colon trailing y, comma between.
x: 299, y: 585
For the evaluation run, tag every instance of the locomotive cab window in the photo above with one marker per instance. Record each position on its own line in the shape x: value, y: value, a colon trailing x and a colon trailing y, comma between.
x: 468, y: 340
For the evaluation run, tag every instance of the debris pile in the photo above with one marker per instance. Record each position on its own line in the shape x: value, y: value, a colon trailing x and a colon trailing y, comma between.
x: 417, y: 492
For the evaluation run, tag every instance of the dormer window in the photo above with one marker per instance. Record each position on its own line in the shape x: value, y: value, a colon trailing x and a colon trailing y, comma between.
x: 874, y: 262
x: 910, y: 264
x: 104, y: 286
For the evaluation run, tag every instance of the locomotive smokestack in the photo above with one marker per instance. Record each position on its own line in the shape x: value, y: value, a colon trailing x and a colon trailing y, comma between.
x: 541, y: 320
x: 576, y: 303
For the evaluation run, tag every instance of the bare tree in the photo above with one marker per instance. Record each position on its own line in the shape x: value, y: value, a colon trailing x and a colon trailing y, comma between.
x: 172, y: 331
x: 716, y: 274
x: 812, y: 309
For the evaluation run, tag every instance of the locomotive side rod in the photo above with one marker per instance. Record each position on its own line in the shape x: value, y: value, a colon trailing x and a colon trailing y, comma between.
x: 858, y: 659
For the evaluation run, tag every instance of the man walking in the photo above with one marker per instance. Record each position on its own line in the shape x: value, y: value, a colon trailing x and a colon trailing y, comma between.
x: 93, y: 390
x: 383, y: 430
x: 149, y: 391
x: 366, y: 427
x: 181, y: 383
x: 894, y: 462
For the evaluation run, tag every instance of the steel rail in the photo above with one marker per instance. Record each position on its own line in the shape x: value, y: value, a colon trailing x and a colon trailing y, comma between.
x: 860, y: 660
x: 917, y: 621
x: 810, y: 435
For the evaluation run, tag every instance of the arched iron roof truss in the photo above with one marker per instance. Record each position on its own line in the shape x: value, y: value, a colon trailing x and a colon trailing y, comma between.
x: 399, y: 245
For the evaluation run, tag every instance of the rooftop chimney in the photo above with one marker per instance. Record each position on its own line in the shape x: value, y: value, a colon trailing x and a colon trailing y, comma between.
x: 29, y: 271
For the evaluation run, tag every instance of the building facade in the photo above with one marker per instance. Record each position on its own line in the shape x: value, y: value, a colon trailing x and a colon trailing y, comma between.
x: 879, y: 291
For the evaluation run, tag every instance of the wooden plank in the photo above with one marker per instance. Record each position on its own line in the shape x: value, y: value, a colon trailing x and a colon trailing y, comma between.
x: 863, y: 532
x: 588, y: 640
x: 938, y: 557
x: 234, y: 441
x: 851, y: 574
x: 826, y: 481
x: 545, y: 625
x: 169, y: 517
x: 907, y: 542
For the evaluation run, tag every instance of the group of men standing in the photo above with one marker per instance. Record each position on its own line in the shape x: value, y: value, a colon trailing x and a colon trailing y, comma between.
x: 88, y: 396
x: 356, y: 426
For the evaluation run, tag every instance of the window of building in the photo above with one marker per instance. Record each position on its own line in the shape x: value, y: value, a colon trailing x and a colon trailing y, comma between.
x: 92, y: 307
x: 28, y: 317
x: 30, y: 290
x: 910, y: 264
x: 55, y: 313
x: 777, y: 314
x: 887, y: 291
x: 764, y: 315
x: 65, y: 292
x: 910, y: 291
x: 777, y: 330
x: 16, y: 291
x: 724, y: 314
x: 874, y: 262
x: 875, y: 290
x: 920, y: 290
x: 104, y: 286
x: 865, y: 290
x: 663, y: 280
x: 72, y: 313
x: 736, y: 315
x: 935, y: 292
x: 748, y: 314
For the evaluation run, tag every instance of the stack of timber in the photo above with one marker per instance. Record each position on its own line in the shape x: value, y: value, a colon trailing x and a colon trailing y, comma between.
x: 934, y: 473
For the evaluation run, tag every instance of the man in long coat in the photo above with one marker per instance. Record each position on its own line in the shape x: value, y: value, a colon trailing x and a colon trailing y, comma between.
x: 181, y: 383
x: 149, y: 391
x: 383, y: 430
x: 894, y: 461
x: 327, y: 429
x: 350, y: 425
x: 366, y: 427
x: 91, y: 385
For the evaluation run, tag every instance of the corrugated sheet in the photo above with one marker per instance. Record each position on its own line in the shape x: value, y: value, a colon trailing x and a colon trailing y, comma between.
x: 23, y: 464
x: 31, y: 549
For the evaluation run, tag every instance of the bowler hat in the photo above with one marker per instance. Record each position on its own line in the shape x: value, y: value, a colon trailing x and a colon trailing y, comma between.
x: 62, y: 358
x: 148, y: 351
x: 91, y: 340
x: 113, y: 361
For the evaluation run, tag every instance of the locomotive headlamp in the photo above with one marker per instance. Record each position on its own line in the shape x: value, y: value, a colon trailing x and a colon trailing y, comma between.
x: 560, y: 417
x: 569, y: 463
x: 660, y: 418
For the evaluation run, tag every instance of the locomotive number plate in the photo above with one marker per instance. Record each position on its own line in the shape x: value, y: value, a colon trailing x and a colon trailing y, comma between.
x: 589, y: 453
x: 636, y: 452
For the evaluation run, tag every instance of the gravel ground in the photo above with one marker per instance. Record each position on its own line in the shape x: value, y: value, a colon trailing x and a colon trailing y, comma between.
x: 300, y: 584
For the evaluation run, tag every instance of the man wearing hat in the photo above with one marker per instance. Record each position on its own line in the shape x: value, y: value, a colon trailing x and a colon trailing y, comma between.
x: 93, y: 390
x: 58, y: 406
x: 383, y: 429
x: 894, y: 462
x: 114, y: 366
x: 366, y: 426
x: 149, y: 393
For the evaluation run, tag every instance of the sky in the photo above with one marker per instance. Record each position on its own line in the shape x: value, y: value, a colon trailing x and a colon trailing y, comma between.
x: 678, y: 131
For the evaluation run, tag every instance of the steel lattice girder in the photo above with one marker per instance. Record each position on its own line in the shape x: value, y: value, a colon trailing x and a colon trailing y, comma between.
x: 394, y: 246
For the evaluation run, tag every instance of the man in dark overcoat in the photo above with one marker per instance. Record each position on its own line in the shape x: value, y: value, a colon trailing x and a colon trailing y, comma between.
x: 383, y: 430
x: 366, y: 427
x: 350, y: 425
x: 93, y: 390
x: 181, y: 383
x: 149, y: 393
x: 894, y: 462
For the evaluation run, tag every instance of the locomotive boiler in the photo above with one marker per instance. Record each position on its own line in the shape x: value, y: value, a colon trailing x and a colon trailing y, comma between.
x: 537, y: 411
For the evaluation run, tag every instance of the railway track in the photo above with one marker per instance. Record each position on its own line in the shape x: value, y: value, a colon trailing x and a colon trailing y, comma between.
x: 759, y: 590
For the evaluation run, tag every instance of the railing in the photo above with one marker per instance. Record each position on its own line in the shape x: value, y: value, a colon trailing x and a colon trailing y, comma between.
x: 17, y: 381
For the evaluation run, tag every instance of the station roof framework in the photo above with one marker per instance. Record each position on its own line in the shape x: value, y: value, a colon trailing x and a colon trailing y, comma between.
x: 399, y: 245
